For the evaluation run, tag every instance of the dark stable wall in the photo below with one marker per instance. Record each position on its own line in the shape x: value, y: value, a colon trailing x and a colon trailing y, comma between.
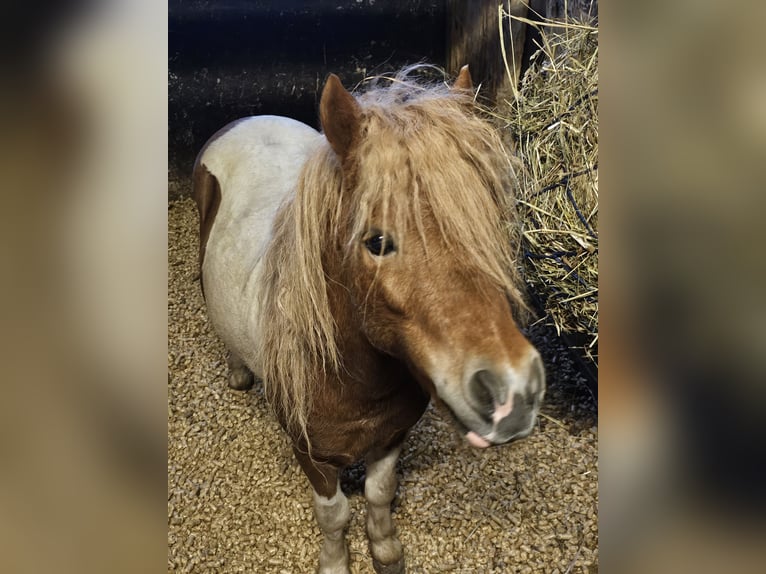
x: 234, y: 58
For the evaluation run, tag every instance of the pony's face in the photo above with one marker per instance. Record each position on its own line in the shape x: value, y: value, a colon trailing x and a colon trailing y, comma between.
x: 419, y: 296
x: 456, y: 332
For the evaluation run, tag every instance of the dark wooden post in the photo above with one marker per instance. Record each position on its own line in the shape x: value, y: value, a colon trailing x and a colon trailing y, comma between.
x: 584, y: 10
x: 474, y: 38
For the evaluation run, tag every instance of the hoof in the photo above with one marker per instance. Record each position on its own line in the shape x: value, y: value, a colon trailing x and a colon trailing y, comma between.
x: 395, y: 568
x: 338, y: 565
x: 241, y: 380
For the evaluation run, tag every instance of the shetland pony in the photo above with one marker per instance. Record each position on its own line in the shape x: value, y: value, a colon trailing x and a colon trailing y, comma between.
x: 361, y: 272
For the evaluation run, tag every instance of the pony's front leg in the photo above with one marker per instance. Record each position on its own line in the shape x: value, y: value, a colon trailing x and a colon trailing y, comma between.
x: 332, y: 514
x: 379, y: 490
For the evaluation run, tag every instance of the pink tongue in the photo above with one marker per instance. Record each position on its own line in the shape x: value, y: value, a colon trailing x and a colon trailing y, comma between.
x: 476, y: 440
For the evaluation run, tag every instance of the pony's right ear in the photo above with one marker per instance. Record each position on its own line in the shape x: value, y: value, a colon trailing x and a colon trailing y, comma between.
x: 463, y: 80
x: 339, y: 113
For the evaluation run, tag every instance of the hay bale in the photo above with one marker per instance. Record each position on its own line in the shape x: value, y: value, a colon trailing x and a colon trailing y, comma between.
x: 553, y: 124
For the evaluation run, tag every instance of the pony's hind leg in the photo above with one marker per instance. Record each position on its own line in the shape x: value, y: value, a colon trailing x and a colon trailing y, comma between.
x: 379, y: 490
x: 240, y: 377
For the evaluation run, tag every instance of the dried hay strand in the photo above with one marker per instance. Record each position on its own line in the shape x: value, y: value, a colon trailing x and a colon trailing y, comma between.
x: 553, y: 125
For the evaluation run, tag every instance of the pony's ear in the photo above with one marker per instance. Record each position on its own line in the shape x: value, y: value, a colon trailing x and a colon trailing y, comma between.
x: 463, y: 81
x: 339, y: 113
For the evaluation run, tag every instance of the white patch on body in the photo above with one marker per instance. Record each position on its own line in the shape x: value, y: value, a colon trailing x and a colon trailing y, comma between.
x: 257, y: 164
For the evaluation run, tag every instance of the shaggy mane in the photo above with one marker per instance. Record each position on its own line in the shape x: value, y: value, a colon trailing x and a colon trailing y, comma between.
x: 422, y: 150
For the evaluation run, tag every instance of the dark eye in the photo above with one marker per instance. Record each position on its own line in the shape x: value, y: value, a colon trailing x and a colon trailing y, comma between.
x: 379, y: 244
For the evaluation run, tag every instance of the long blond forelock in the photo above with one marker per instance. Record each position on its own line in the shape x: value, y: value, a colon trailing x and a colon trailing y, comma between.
x: 422, y: 159
x: 431, y: 159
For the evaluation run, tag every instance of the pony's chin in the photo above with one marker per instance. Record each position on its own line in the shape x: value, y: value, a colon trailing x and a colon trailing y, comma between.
x: 473, y: 438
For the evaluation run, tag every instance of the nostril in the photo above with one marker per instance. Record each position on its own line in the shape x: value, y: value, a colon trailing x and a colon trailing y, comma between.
x: 480, y: 392
x: 487, y: 390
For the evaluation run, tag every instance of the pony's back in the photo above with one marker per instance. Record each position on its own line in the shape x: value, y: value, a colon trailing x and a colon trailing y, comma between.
x: 241, y: 178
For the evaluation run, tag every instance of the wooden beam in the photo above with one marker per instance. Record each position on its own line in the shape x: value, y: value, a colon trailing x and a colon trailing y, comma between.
x: 474, y: 38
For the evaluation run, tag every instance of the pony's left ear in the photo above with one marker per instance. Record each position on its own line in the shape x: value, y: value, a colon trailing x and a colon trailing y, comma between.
x: 463, y: 81
x: 339, y: 113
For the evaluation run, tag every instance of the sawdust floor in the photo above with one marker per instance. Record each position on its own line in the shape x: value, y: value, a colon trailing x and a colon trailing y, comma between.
x: 238, y: 502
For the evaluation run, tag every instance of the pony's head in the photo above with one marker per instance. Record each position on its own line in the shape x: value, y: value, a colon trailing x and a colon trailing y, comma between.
x: 424, y: 234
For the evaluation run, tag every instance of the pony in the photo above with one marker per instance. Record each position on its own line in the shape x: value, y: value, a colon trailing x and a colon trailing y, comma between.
x: 360, y: 273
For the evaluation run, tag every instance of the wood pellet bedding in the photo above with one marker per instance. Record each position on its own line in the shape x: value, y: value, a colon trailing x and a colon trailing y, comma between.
x: 238, y: 502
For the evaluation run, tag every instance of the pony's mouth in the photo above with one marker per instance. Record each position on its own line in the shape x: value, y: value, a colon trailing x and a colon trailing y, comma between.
x: 474, y: 438
x: 483, y: 441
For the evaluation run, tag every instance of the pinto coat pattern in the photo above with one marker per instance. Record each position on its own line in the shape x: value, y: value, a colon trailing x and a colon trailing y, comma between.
x: 362, y: 272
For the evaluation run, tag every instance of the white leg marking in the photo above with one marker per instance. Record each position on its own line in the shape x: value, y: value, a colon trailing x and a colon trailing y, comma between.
x: 332, y: 516
x: 379, y: 490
